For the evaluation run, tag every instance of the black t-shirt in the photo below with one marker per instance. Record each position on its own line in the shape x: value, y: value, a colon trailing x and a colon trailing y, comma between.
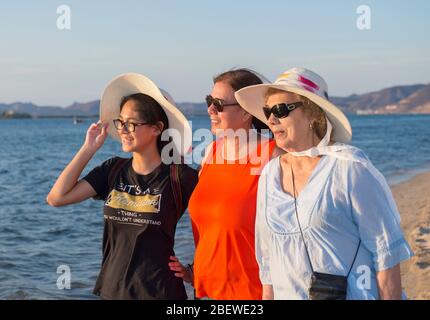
x: 140, y: 220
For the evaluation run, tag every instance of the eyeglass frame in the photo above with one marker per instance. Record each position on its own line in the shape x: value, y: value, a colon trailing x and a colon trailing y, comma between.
x: 285, y: 113
x: 126, y: 124
x: 219, y: 104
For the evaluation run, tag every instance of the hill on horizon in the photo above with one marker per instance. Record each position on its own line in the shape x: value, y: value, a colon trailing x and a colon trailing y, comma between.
x: 409, y: 99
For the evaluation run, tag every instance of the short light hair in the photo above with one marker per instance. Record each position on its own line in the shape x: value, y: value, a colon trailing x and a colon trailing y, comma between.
x: 311, y: 109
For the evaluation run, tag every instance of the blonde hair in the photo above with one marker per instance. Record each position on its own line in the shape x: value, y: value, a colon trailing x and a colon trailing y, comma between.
x: 311, y: 109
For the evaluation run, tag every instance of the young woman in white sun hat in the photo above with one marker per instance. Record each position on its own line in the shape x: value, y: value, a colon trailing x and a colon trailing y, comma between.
x: 144, y: 196
x: 327, y: 226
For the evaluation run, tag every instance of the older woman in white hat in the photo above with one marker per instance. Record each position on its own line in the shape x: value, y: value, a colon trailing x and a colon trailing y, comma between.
x: 327, y: 226
x: 144, y: 196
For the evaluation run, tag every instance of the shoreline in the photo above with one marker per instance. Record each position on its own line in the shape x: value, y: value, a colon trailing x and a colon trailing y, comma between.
x: 414, y: 209
x: 404, y: 175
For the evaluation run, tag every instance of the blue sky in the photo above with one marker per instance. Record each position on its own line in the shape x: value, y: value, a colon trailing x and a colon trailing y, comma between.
x: 181, y: 45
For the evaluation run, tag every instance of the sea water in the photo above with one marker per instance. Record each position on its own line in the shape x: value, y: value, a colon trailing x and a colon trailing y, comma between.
x: 36, y: 239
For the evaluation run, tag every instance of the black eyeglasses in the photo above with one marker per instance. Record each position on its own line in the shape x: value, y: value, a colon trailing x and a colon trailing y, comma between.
x: 131, y: 126
x: 218, y: 103
x: 281, y: 110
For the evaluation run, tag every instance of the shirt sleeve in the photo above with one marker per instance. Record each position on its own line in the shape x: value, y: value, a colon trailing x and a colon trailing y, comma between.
x: 262, y: 232
x: 98, y: 178
x: 376, y: 214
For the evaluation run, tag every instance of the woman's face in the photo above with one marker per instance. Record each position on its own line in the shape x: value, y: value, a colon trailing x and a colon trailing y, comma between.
x: 142, y: 137
x: 232, y: 117
x: 291, y: 133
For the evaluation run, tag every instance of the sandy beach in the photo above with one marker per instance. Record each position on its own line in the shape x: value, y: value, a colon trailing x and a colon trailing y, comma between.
x: 414, y: 205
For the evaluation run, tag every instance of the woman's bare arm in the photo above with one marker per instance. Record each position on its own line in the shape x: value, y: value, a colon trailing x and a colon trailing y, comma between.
x: 389, y: 283
x: 67, y: 189
x: 268, y: 292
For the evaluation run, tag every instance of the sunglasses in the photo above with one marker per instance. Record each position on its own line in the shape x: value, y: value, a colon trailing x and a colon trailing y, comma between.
x: 281, y: 110
x: 218, y: 103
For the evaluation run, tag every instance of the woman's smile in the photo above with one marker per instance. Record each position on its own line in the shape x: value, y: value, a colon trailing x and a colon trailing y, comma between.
x: 127, y: 140
x: 215, y: 121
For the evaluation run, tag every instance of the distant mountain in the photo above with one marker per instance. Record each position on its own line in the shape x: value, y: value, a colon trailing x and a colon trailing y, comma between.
x: 76, y: 109
x: 88, y: 109
x: 398, y: 99
x: 418, y: 102
x: 30, y: 108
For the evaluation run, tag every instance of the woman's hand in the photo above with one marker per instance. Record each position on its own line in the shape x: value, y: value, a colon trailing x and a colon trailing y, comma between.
x: 96, y: 135
x: 180, y: 270
x: 67, y: 189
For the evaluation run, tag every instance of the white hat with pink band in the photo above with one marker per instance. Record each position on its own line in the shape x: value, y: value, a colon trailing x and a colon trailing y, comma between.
x: 303, y: 82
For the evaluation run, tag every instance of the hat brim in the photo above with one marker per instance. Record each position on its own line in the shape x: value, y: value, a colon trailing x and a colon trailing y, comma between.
x: 131, y: 83
x: 252, y: 99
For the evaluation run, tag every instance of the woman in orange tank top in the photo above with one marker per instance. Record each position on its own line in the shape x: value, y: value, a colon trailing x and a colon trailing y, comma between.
x: 223, y: 205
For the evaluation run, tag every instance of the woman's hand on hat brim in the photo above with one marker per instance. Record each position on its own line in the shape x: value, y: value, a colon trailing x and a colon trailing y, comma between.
x: 96, y: 135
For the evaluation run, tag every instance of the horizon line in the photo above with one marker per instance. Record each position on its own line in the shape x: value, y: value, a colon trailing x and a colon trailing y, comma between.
x: 202, y: 102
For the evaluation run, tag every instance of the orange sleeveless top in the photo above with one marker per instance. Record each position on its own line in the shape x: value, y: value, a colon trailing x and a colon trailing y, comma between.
x: 222, y: 210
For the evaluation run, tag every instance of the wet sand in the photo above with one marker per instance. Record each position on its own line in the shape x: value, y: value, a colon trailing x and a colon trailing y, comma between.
x: 413, y: 200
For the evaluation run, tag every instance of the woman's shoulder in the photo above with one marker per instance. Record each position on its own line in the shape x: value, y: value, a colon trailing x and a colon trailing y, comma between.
x: 184, y: 167
x: 349, y: 155
x: 349, y: 149
x: 357, y: 165
x: 271, y: 167
x: 186, y: 171
x: 111, y: 162
x: 210, y: 149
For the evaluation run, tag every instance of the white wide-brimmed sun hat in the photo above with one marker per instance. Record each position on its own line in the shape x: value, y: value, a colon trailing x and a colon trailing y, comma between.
x: 302, y: 82
x: 131, y: 83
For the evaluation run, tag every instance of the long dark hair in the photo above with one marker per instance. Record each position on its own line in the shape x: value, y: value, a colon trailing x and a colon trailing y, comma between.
x: 149, y: 111
x: 238, y: 79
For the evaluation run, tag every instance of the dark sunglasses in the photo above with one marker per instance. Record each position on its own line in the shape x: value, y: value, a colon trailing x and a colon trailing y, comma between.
x: 218, y: 103
x: 281, y: 110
